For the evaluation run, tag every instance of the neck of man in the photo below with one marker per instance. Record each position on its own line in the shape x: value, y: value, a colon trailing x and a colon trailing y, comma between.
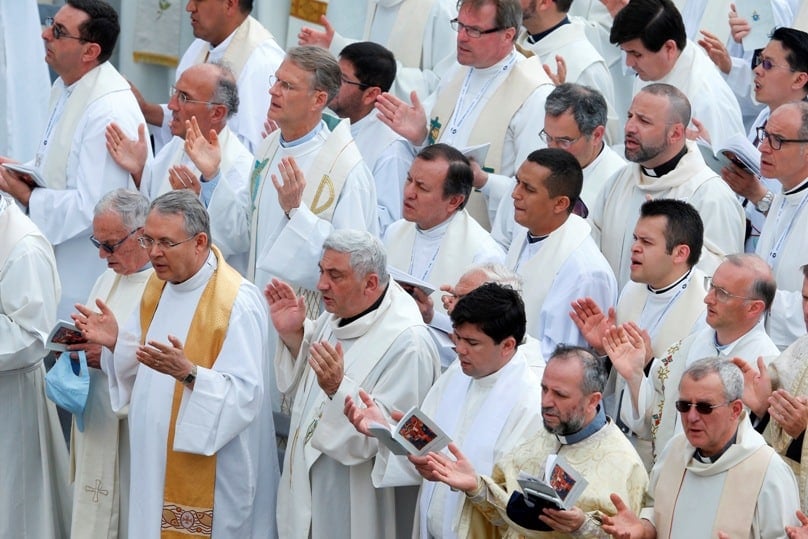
x: 504, y: 361
x: 234, y: 23
x: 429, y: 225
x: 74, y: 76
x: 371, y: 304
x: 202, y: 257
x: 795, y: 181
x: 360, y: 115
x: 505, y: 53
x: 538, y: 24
x: 593, y: 154
x: 673, y: 278
x: 727, y: 335
x: 557, y: 223
x: 291, y: 132
x: 666, y: 161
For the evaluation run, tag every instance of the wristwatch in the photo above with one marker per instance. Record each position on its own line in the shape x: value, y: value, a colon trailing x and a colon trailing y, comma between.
x: 191, y: 378
x: 765, y: 203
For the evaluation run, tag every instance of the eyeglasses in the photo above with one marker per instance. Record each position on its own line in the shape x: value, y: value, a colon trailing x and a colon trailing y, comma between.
x: 183, y: 98
x: 703, y: 408
x: 722, y: 294
x: 361, y: 85
x: 110, y: 247
x: 147, y: 242
x: 767, y: 64
x: 59, y: 31
x: 472, y: 31
x: 562, y: 142
x: 776, y: 141
x: 285, y: 86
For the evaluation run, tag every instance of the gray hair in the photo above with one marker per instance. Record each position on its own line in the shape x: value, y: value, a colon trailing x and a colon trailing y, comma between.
x: 500, y: 274
x: 763, y: 285
x: 799, y: 108
x: 509, y: 12
x: 729, y: 374
x: 186, y: 203
x: 226, y: 91
x: 131, y: 206
x: 594, y: 378
x: 326, y: 74
x: 679, y: 103
x: 587, y: 106
x: 367, y: 254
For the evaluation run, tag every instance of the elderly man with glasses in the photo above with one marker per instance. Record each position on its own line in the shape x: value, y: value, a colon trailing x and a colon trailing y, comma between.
x: 718, y: 478
x: 72, y: 158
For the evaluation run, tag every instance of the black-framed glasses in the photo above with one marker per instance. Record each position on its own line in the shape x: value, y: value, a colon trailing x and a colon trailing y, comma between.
x: 767, y: 64
x: 472, y: 31
x: 722, y: 294
x: 776, y: 141
x: 562, y: 142
x: 703, y: 408
x: 147, y: 242
x: 183, y: 98
x: 361, y: 85
x: 110, y: 247
x: 60, y: 31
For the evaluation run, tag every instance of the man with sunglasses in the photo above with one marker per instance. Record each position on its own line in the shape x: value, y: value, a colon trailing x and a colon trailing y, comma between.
x: 739, y: 295
x: 72, y: 158
x: 718, y: 478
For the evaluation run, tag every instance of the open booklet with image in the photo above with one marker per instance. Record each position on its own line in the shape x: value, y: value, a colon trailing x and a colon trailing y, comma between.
x: 560, y: 491
x: 415, y: 434
x: 62, y: 335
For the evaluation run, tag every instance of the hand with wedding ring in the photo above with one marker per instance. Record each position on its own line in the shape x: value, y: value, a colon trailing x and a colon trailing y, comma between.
x: 165, y: 358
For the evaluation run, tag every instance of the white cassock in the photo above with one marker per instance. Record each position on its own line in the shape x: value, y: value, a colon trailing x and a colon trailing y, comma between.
x: 486, y: 417
x: 388, y: 156
x: 441, y: 254
x: 326, y: 488
x: 597, y: 175
x: 585, y: 65
x: 100, y: 455
x: 24, y: 81
x: 225, y: 414
x: 418, y: 33
x: 709, y: 497
x: 757, y: 219
x: 711, y: 99
x: 237, y: 162
x: 782, y: 245
x: 253, y: 55
x: 556, y: 271
x: 34, y: 490
x: 616, y: 212
x: 655, y: 417
x: 73, y: 159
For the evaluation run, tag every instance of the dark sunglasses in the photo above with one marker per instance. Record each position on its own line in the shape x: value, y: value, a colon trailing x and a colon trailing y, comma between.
x: 703, y: 408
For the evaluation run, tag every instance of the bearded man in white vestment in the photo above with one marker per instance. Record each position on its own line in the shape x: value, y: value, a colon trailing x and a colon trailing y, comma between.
x: 718, y: 478
x: 437, y: 239
x: 204, y: 97
x: 371, y: 337
x: 575, y: 428
x: 34, y: 491
x: 368, y: 69
x: 100, y: 453
x: 552, y: 249
x: 487, y: 402
x: 740, y: 293
x: 226, y: 33
x: 667, y: 166
x: 417, y: 32
x: 652, y: 35
x: 191, y: 364
x: 72, y: 158
x: 493, y: 96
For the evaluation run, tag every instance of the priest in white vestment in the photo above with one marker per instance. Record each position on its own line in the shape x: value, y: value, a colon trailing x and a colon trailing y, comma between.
x: 370, y: 337
x: 71, y: 157
x: 487, y: 402
x: 575, y: 428
x: 652, y: 35
x: 368, y: 69
x: 417, y: 32
x: 226, y: 33
x: 667, y: 166
x: 100, y: 453
x: 437, y: 240
x: 719, y: 476
x: 552, y: 250
x: 493, y: 95
x: 191, y: 364
x: 34, y: 490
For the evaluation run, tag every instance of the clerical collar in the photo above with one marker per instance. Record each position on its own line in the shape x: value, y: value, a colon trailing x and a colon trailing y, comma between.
x: 302, y: 140
x: 594, y: 426
x: 670, y: 287
x: 709, y: 460
x: 535, y: 239
x: 664, y: 168
x: 346, y: 321
x: 801, y: 187
x: 534, y: 38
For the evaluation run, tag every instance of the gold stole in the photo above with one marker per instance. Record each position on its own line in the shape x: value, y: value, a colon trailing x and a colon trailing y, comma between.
x: 308, y: 10
x: 190, y: 479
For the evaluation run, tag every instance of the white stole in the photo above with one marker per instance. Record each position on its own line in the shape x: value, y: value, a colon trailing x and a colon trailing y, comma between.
x: 14, y: 226
x: 411, y: 19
